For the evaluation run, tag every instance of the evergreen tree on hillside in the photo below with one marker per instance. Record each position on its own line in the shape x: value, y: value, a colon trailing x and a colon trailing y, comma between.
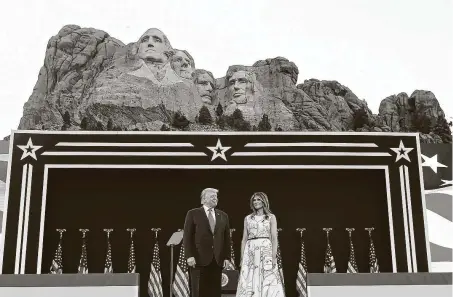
x: 264, y: 124
x: 204, y: 116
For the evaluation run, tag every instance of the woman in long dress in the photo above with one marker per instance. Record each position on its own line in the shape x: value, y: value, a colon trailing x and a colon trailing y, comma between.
x: 259, y: 276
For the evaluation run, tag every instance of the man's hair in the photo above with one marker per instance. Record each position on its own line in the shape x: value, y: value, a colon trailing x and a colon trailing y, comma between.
x: 205, y: 192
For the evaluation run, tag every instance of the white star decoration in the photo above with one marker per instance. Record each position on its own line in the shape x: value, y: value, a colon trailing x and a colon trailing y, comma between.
x: 402, y: 152
x: 29, y: 149
x: 446, y: 182
x: 218, y: 150
x: 432, y: 162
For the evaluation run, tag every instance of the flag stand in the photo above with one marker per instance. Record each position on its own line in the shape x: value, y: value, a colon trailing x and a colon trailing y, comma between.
x: 175, y: 239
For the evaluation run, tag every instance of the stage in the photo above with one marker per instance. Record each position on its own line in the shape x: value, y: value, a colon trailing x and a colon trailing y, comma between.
x: 145, y: 180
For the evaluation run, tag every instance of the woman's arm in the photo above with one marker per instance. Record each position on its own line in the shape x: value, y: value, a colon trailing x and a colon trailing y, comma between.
x: 244, y: 239
x: 274, y: 238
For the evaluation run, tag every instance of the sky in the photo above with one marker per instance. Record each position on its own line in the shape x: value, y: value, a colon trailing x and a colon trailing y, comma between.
x: 377, y: 48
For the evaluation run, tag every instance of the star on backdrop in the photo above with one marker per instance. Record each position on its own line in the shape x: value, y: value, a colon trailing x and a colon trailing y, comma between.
x: 29, y: 149
x: 401, y: 152
x: 446, y: 182
x: 432, y: 162
x: 218, y: 150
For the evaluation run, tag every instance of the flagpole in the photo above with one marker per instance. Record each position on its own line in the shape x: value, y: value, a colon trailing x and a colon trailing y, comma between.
x: 374, y: 266
x: 301, y: 277
x: 175, y: 239
x: 57, y: 263
x: 155, y: 275
x: 279, y: 258
x: 84, y: 257
x: 352, y: 264
x: 108, y: 266
x: 329, y: 260
x: 233, y: 266
x: 171, y: 268
x: 131, y: 262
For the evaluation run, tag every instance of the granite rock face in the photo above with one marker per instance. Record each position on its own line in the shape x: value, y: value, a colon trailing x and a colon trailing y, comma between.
x: 92, y: 81
x: 73, y: 60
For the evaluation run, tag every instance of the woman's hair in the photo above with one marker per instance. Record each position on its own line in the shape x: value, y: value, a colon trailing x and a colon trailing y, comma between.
x: 263, y: 197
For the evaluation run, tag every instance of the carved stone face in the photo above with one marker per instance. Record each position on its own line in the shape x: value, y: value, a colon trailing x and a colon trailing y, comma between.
x: 240, y: 87
x: 152, y: 47
x: 182, y: 65
x: 205, y: 87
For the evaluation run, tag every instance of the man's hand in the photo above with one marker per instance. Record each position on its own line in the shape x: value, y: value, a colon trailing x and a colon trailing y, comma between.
x: 191, y: 262
x: 226, y: 264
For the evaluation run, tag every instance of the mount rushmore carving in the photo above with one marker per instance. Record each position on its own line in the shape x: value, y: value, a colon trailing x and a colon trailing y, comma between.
x: 92, y: 81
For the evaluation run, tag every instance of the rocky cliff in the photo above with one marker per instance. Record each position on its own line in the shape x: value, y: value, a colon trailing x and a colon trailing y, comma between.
x: 92, y: 81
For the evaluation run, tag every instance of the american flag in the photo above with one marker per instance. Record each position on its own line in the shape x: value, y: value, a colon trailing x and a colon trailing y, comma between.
x: 352, y: 264
x: 131, y: 267
x: 374, y: 266
x: 233, y: 260
x: 329, y: 263
x: 83, y: 264
x: 301, y: 280
x: 57, y: 262
x: 437, y: 177
x: 279, y: 263
x: 108, y: 267
x: 155, y: 275
x: 181, y: 282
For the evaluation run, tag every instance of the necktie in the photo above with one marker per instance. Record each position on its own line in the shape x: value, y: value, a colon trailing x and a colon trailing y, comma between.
x: 211, y: 220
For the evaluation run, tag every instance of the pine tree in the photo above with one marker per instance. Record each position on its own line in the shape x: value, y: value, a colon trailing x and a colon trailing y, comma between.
x: 264, y: 124
x: 164, y: 128
x: 204, y: 116
x: 110, y: 125
x: 221, y: 122
x: 67, y: 119
x: 219, y: 110
x: 237, y: 122
x: 180, y: 120
x: 84, y: 124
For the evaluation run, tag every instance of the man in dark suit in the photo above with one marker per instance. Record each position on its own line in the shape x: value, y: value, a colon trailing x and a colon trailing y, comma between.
x: 207, y: 245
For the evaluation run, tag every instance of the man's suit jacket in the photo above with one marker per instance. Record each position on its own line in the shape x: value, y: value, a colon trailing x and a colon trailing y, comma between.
x: 201, y: 243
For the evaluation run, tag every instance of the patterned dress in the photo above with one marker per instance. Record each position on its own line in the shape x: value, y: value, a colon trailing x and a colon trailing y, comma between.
x: 258, y: 277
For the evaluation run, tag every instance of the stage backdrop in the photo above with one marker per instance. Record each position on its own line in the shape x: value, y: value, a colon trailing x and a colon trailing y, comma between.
x: 437, y: 176
x: 143, y: 199
x: 148, y: 180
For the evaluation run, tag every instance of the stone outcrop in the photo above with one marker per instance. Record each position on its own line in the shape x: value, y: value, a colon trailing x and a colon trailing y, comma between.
x: 92, y: 81
x: 74, y: 58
